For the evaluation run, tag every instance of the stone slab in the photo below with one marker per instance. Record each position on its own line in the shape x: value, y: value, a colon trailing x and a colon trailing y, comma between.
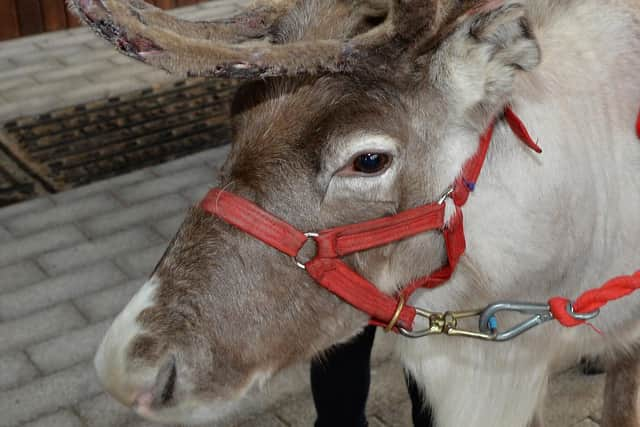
x: 64, y: 213
x: 29, y: 246
x: 63, y: 418
x: 141, y: 213
x: 134, y: 239
x: 40, y: 326
x: 62, y: 288
x: 15, y: 370
x: 47, y: 394
x: 15, y: 276
x: 107, y: 303
x: 69, y: 349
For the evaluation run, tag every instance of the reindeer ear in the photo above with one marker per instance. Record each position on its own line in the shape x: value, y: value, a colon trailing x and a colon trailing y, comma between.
x: 505, y: 32
x: 481, y: 59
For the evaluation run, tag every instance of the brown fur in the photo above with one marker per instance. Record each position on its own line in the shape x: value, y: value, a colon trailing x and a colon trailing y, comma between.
x: 145, y: 33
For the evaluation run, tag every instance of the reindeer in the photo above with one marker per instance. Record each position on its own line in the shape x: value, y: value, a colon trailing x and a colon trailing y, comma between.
x: 358, y: 110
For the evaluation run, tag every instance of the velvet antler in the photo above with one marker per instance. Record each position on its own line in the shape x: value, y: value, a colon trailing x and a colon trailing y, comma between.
x: 239, y: 47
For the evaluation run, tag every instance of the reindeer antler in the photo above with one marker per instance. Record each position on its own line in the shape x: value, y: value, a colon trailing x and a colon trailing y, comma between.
x: 239, y: 47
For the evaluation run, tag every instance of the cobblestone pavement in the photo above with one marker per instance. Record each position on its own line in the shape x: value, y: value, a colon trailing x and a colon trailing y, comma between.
x: 69, y: 262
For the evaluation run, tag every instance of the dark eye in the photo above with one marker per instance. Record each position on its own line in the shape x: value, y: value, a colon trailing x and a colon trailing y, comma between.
x: 371, y: 162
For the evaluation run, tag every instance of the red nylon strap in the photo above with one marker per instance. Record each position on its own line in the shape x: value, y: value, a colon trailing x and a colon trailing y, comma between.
x: 638, y: 125
x: 466, y: 182
x: 253, y: 220
x: 345, y: 240
x: 325, y: 268
x: 593, y: 299
x: 335, y: 275
x: 455, y: 245
x: 520, y: 130
x: 338, y: 278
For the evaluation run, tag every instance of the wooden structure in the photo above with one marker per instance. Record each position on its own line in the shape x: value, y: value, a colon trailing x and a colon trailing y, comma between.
x: 25, y: 17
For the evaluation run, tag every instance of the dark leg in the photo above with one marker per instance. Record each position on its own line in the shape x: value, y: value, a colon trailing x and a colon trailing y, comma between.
x: 340, y: 382
x: 591, y: 365
x: 421, y: 412
x: 621, y: 393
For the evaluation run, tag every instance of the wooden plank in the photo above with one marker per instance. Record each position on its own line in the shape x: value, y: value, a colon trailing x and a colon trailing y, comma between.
x: 9, y: 26
x: 180, y: 3
x: 54, y: 14
x: 166, y: 4
x: 29, y: 16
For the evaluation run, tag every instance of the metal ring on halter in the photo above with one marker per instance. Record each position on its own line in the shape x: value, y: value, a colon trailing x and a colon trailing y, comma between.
x: 445, y: 195
x: 581, y: 316
x: 309, y: 236
x: 396, y: 314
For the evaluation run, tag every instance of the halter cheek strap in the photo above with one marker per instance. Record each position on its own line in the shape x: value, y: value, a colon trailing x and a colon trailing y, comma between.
x: 326, y: 267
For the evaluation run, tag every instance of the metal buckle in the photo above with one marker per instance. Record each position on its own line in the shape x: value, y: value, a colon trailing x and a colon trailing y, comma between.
x: 310, y: 237
x: 582, y: 316
x: 445, y: 195
x: 396, y: 314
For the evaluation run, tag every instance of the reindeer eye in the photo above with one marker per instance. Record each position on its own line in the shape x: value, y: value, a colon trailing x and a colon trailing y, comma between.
x: 370, y: 163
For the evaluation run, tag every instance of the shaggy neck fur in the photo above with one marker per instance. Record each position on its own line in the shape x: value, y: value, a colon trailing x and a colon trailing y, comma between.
x: 540, y: 226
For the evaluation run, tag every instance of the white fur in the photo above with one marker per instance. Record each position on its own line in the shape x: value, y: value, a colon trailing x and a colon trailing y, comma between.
x: 584, y: 190
x: 127, y: 381
x: 111, y: 360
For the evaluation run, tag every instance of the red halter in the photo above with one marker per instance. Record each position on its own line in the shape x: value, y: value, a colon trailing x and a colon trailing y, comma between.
x: 328, y: 270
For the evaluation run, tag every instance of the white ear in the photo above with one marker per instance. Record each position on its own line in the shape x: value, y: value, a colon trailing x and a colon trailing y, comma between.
x: 479, y: 62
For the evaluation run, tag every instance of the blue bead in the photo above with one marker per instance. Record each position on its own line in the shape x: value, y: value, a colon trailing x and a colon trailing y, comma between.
x: 493, y: 323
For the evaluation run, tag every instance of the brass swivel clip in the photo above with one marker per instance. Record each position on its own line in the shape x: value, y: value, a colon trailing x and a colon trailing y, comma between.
x: 446, y: 323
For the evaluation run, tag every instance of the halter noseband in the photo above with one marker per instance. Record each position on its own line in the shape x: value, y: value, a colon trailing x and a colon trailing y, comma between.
x: 326, y: 267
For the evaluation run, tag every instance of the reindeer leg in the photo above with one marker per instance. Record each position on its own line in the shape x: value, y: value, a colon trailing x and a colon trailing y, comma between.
x: 621, y: 398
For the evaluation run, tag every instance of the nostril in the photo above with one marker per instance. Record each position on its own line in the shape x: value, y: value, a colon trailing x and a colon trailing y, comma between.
x: 170, y: 385
x: 164, y: 388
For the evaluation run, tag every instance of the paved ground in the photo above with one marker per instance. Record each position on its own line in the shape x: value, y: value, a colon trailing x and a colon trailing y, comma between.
x: 69, y: 262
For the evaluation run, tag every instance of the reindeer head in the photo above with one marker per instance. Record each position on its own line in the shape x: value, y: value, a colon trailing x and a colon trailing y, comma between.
x: 354, y: 111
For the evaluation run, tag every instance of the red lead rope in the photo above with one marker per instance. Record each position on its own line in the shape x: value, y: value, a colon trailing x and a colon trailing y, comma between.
x: 594, y: 299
